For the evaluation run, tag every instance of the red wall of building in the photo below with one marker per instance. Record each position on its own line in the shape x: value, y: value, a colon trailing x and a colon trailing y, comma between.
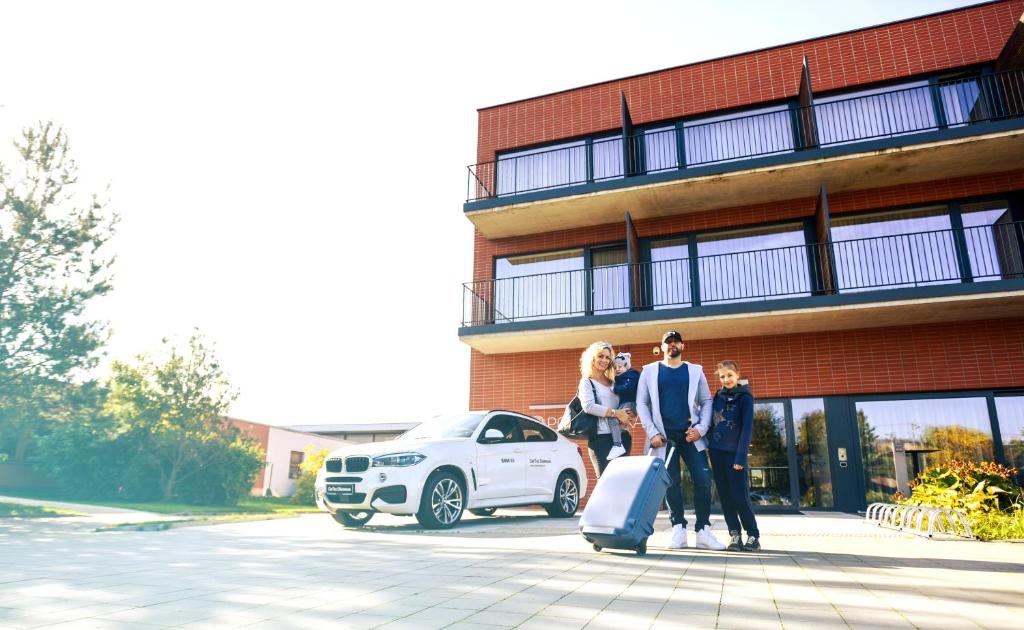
x: 964, y: 355
x: 911, y: 47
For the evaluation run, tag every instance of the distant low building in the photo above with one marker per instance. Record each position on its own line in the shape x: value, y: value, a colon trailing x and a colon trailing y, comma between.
x: 359, y: 432
x: 285, y: 449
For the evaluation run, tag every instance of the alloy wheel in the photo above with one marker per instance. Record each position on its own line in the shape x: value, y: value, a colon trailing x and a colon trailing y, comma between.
x: 446, y: 501
x: 568, y: 495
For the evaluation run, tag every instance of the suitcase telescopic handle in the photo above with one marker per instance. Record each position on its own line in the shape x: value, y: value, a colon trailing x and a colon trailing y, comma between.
x: 668, y: 454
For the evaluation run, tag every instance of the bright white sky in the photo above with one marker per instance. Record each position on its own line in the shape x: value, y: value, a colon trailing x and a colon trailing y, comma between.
x: 290, y: 175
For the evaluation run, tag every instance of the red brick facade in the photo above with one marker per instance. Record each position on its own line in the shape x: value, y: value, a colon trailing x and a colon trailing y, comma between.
x: 884, y: 53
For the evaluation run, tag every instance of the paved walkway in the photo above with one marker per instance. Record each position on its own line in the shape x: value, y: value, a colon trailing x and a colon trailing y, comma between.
x: 516, y: 570
x: 94, y: 515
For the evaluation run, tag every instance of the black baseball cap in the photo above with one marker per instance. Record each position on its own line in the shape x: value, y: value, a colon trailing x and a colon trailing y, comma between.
x: 671, y: 334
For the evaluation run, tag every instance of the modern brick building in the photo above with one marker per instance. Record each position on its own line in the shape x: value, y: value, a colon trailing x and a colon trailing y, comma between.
x: 842, y: 216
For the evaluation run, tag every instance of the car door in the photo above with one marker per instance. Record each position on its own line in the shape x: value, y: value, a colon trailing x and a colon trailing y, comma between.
x: 542, y: 460
x: 500, y: 463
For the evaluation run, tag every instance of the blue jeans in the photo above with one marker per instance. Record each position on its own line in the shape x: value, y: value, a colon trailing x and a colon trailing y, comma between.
x: 697, y: 464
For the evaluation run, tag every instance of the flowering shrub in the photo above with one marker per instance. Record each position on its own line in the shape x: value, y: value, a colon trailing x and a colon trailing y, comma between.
x: 985, y: 492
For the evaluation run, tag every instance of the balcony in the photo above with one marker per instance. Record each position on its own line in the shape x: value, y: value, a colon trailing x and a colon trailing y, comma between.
x: 923, y: 277
x: 929, y: 131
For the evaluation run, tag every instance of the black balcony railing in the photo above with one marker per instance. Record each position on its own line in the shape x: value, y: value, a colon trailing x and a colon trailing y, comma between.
x: 973, y: 254
x: 939, y: 105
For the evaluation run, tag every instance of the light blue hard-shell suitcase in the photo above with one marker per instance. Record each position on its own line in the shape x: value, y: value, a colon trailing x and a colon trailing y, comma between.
x: 621, y: 511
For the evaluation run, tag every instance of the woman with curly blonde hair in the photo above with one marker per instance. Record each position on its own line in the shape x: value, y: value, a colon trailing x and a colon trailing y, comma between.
x: 597, y: 377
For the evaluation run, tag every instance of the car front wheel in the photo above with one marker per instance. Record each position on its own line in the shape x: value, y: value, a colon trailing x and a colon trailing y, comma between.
x: 353, y: 519
x: 442, y: 502
x: 567, y: 497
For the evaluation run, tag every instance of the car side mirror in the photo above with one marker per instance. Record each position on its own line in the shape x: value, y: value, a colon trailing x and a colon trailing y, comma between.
x: 493, y: 436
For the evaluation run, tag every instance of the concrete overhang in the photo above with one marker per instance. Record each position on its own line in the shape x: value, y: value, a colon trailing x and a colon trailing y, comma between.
x: 767, y: 322
x: 787, y: 176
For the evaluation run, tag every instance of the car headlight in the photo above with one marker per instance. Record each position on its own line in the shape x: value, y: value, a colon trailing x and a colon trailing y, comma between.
x: 398, y: 459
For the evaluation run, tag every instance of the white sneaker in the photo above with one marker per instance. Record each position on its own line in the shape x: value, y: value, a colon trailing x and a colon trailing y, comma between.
x: 707, y: 540
x: 616, y: 451
x: 678, y: 537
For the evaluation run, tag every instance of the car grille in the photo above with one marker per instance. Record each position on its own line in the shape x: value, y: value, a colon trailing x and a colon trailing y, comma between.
x: 334, y: 465
x: 357, y: 464
x: 346, y: 498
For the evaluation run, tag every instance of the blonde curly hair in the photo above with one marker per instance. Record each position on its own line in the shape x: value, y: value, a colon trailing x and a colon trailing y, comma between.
x: 587, y: 367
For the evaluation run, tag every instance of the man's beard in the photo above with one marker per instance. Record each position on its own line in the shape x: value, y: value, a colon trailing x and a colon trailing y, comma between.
x: 674, y: 352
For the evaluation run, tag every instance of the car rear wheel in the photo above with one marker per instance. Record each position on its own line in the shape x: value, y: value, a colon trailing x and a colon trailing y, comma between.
x: 567, y: 497
x: 483, y: 511
x: 443, y: 501
x: 353, y: 519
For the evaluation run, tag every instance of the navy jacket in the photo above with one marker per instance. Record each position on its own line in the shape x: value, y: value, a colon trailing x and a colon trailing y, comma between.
x: 625, y: 385
x: 732, y: 422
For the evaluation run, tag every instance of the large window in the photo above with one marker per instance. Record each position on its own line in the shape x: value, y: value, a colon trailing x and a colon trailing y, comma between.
x: 768, y: 457
x: 738, y: 136
x: 538, y: 286
x: 927, y: 431
x: 607, y: 154
x: 610, y: 280
x: 1010, y: 410
x: 667, y: 284
x: 877, y: 113
x: 906, y: 248
x: 546, y: 167
x: 295, y: 460
x: 752, y: 264
x: 814, y: 475
x: 660, y: 149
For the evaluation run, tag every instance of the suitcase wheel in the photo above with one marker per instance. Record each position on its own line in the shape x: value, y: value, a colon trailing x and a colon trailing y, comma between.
x: 641, y: 549
x: 597, y: 547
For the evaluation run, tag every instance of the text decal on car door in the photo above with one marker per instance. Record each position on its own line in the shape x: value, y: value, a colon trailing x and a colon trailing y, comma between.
x: 508, y: 460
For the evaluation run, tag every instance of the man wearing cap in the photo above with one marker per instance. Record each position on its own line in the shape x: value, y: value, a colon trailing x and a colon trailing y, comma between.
x: 674, y: 403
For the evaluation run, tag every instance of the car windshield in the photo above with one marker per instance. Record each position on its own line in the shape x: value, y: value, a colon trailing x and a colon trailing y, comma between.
x: 456, y: 426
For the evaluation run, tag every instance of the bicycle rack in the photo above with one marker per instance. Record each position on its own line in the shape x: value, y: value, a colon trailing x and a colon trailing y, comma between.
x: 919, y: 519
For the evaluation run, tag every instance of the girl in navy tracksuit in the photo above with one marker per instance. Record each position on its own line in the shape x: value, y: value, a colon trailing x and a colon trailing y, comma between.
x: 732, y: 427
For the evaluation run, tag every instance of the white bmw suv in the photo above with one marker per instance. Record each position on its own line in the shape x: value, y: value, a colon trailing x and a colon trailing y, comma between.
x: 474, y: 461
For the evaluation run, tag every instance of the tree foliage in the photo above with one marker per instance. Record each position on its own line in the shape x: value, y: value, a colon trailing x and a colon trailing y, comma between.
x: 52, y: 265
x: 158, y: 433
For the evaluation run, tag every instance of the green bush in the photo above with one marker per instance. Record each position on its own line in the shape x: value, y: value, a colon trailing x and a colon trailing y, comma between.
x: 304, y: 485
x: 985, y: 492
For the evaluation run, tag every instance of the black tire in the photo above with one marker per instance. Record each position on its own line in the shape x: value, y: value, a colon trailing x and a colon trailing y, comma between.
x: 597, y: 547
x: 443, y: 501
x: 483, y: 511
x: 567, y: 497
x: 353, y: 519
